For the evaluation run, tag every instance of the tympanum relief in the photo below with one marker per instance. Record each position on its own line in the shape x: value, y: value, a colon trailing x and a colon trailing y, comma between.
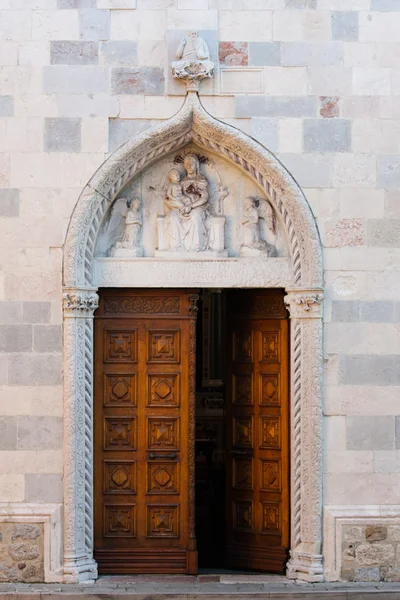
x: 190, y: 206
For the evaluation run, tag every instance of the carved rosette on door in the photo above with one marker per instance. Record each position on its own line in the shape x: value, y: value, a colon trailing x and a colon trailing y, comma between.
x: 144, y: 425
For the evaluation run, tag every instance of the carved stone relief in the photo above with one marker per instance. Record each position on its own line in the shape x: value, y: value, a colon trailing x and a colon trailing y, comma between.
x: 129, y: 243
x: 193, y: 62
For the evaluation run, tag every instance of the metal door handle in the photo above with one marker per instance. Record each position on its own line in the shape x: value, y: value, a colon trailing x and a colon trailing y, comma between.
x: 154, y: 455
x: 241, y: 452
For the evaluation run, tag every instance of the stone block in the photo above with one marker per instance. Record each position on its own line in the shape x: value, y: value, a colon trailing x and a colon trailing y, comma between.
x: 74, y: 79
x: 385, y: 5
x: 12, y: 489
x: 286, y: 81
x: 85, y: 105
x: 43, y: 369
x: 370, y: 370
x: 94, y: 24
x: 43, y: 488
x: 371, y: 81
x: 354, y: 170
x: 392, y: 204
x: 345, y: 26
x: 264, y: 54
x: 310, y: 170
x: 305, y: 54
x: 119, y: 53
x: 6, y: 106
x: 387, y: 461
x: 137, y: 80
x: 8, y: 53
x: 335, y: 432
x: 152, y: 53
x: 346, y: 311
x: 54, y: 25
x: 25, y: 532
x: 393, y: 533
x: 375, y: 554
x: 15, y: 25
x: 344, y: 232
x: 36, y: 312
x: 397, y: 432
x: 290, y: 135
x: 326, y: 135
x: 379, y: 26
x: 362, y: 106
x: 388, y: 172
x: 370, y: 433
x: 121, y: 130
x: 8, y: 433
x: 380, y: 311
x: 309, y: 4
x: 62, y: 134
x: 353, y: 534
x: 384, y: 233
x: 330, y: 81
x: 365, y: 203
x: 253, y: 26
x: 95, y: 134
x: 204, y: 19
x: 73, y: 53
x: 375, y: 533
x: 305, y: 25
x: 47, y: 338
x: 76, y: 3
x: 266, y: 131
x: 9, y: 203
x: 10, y: 312
x: 261, y: 106
x: 233, y: 53
x: 239, y: 80
x: 15, y: 338
x: 3, y: 371
x: 39, y: 433
x: 368, y: 574
x: 116, y: 4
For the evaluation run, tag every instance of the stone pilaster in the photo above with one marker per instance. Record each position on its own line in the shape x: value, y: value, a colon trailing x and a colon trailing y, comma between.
x: 79, y: 306
x: 305, y: 306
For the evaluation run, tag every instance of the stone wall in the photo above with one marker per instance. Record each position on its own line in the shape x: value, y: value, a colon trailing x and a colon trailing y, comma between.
x: 317, y: 82
x: 21, y: 552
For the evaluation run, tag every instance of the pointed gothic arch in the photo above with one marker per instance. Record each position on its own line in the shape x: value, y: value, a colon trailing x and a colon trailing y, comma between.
x: 304, y: 299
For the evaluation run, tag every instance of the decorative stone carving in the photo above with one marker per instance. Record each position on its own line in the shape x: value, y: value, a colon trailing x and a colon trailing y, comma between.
x: 304, y: 304
x: 253, y: 244
x: 193, y: 62
x: 80, y: 303
x: 129, y: 244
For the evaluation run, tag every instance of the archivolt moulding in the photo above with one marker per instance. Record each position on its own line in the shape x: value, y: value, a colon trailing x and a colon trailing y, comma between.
x: 303, y: 284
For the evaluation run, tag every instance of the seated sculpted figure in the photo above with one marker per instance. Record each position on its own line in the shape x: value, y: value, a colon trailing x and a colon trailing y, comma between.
x: 193, y: 58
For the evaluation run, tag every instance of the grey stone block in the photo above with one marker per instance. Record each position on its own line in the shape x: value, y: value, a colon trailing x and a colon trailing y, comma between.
x: 6, y: 106
x: 388, y: 172
x: 368, y: 574
x: 34, y: 369
x: 62, y: 134
x: 301, y: 4
x: 47, y: 338
x: 8, y: 433
x: 15, y: 338
x: 383, y: 233
x: 385, y: 5
x: 397, y: 432
x: 9, y: 202
x: 36, y: 312
x: 76, y: 3
x: 392, y: 204
x: 43, y: 488
x: 377, y: 312
x: 247, y: 107
x: 265, y: 130
x: 370, y: 433
x: 264, y: 54
x: 327, y: 135
x: 310, y: 170
x: 304, y: 54
x: 364, y: 369
x: 39, y: 433
x: 346, y: 311
x: 74, y: 53
x: 10, y: 312
x: 94, y: 24
x: 3, y: 370
x: 119, y: 53
x: 121, y: 130
x: 345, y: 26
x: 137, y: 80
x: 74, y: 79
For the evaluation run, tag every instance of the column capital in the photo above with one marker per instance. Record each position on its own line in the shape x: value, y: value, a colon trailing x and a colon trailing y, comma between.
x: 79, y: 302
x: 304, y: 303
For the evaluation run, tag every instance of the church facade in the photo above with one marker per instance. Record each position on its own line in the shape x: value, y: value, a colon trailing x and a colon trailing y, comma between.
x: 200, y: 289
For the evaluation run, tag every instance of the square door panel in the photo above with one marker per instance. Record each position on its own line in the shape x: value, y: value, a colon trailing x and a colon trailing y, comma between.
x: 243, y: 473
x: 243, y: 515
x: 162, y: 521
x: 270, y: 434
x: 242, y: 386
x: 271, y: 518
x: 119, y: 477
x: 120, y: 346
x: 163, y: 433
x: 119, y: 433
x: 164, y: 346
x: 243, y: 431
x: 270, y: 393
x: 119, y: 520
x: 269, y: 351
x: 243, y: 346
x: 120, y: 390
x: 163, y: 478
x: 271, y: 478
x: 163, y: 389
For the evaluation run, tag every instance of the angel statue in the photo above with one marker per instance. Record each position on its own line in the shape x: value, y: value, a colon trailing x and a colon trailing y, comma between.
x: 253, y: 244
x: 129, y: 244
x: 193, y: 62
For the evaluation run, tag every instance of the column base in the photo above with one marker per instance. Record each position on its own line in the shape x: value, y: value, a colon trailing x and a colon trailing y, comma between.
x: 80, y: 570
x: 305, y: 566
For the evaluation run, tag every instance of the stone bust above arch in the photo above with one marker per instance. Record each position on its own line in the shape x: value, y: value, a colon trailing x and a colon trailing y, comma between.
x: 301, y: 277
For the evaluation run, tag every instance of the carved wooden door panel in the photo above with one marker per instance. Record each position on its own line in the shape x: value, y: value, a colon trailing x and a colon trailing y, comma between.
x: 144, y: 423
x: 257, y: 431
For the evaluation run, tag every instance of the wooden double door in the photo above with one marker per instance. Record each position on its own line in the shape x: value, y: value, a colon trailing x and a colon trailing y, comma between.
x: 144, y: 435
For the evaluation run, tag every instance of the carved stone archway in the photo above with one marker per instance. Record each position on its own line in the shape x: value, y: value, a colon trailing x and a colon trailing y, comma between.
x: 302, y: 281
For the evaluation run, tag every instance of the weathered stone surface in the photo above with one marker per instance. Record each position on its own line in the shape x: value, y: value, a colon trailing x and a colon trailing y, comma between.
x: 74, y: 79
x: 370, y: 370
x: 345, y: 26
x: 21, y: 560
x: 266, y: 131
x: 94, y: 24
x: 345, y: 311
x: 329, y: 107
x: 233, y: 53
x: 36, y: 312
x: 43, y: 487
x: 259, y: 106
x: 39, y: 433
x: 15, y: 338
x: 368, y: 574
x: 264, y: 54
x: 375, y: 533
x: 8, y: 433
x: 370, y: 433
x: 62, y: 135
x: 345, y: 232
x: 301, y: 4
x: 137, y: 80
x: 74, y: 53
x: 381, y: 311
x: 119, y: 53
x: 375, y: 554
x: 305, y: 54
x: 393, y: 533
x: 6, y: 106
x: 327, y: 135
x: 47, y: 338
x: 384, y: 233
x: 26, y: 532
x: 385, y: 5
x: 24, y: 551
x: 121, y: 130
x: 9, y: 202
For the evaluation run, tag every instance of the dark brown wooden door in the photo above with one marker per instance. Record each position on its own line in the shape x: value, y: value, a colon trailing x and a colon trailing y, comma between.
x: 143, y: 439
x: 257, y: 431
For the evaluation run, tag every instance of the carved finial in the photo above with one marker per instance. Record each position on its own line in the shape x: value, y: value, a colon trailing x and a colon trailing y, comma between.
x: 193, y: 62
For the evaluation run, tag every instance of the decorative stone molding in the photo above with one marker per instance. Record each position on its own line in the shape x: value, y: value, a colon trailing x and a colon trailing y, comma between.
x: 79, y: 303
x: 304, y: 303
x: 50, y: 515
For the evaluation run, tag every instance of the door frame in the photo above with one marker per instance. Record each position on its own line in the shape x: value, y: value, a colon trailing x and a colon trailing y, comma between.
x: 301, y: 278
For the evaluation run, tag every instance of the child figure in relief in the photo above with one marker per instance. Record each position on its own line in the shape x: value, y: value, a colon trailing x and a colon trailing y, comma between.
x: 176, y: 199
